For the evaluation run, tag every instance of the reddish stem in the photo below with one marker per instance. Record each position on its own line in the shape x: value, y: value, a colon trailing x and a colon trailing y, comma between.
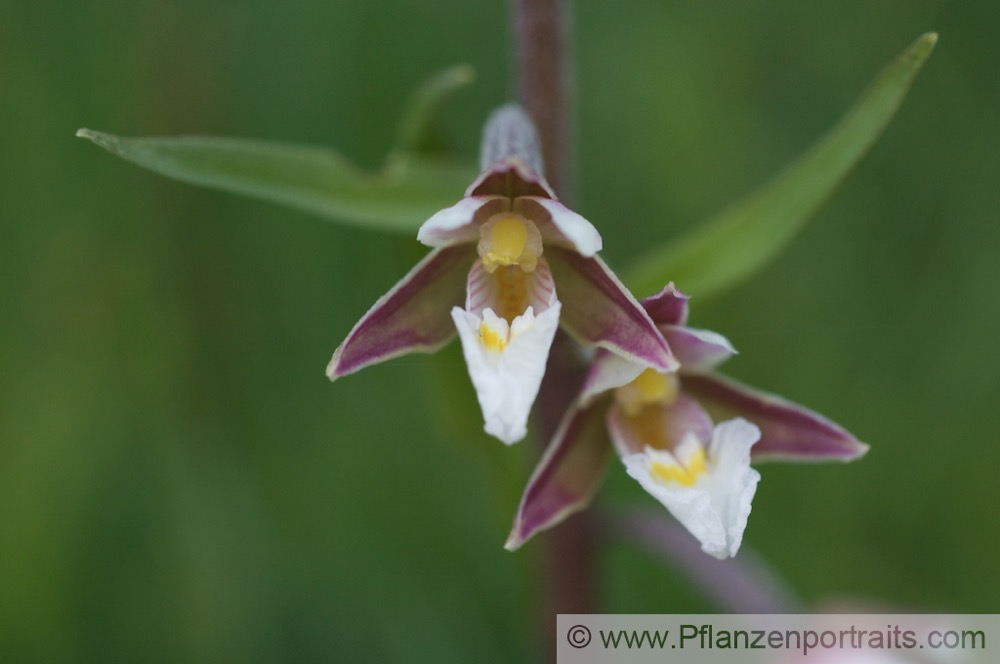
x: 544, y: 85
x: 545, y: 82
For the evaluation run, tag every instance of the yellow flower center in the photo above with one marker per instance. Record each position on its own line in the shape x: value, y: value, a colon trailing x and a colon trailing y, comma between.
x: 654, y: 386
x: 509, y: 236
x: 686, y: 473
x: 509, y: 239
x: 493, y: 338
x: 496, y: 333
x: 649, y: 387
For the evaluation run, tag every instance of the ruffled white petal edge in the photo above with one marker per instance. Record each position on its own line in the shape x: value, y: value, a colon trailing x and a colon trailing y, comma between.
x: 716, y: 507
x: 507, y: 381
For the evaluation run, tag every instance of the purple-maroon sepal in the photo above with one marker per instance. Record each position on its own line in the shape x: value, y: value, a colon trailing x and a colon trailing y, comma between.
x: 789, y: 432
x: 599, y: 311
x: 567, y: 476
x: 415, y: 316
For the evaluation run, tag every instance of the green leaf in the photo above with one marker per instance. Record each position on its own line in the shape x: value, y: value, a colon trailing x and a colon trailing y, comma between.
x: 311, y: 179
x: 409, y: 188
x: 743, y: 238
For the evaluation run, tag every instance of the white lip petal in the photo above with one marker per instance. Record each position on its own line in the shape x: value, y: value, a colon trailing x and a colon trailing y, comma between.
x: 730, y: 446
x: 733, y: 482
x: 716, y: 507
x: 507, y: 380
x: 692, y: 506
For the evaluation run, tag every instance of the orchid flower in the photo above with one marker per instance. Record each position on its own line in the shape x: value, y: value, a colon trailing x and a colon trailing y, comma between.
x: 660, y: 424
x: 509, y: 264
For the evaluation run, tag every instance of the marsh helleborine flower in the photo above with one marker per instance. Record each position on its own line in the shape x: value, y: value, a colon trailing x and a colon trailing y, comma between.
x: 509, y: 265
x: 660, y: 424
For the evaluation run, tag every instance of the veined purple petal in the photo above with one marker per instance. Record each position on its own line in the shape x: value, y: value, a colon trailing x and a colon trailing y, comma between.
x: 789, y: 432
x: 668, y: 307
x: 567, y: 476
x: 460, y: 222
x: 607, y: 372
x: 510, y: 178
x: 484, y: 289
x: 560, y: 225
x: 415, y: 316
x: 697, y: 350
x: 658, y: 426
x: 598, y: 310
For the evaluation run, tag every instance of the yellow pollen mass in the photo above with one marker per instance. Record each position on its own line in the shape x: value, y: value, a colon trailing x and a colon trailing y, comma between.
x: 649, y: 387
x: 509, y: 236
x: 685, y: 475
x: 654, y: 386
x: 506, y: 242
x: 492, y: 338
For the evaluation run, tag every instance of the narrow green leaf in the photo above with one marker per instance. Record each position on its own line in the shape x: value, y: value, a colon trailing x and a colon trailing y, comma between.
x: 312, y: 179
x: 412, y: 135
x: 743, y: 238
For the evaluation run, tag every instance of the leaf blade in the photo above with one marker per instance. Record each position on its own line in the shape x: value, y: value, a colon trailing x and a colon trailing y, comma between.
x: 311, y: 179
x: 743, y: 237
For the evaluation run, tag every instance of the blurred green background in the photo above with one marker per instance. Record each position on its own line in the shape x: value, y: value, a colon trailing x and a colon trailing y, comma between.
x: 178, y: 480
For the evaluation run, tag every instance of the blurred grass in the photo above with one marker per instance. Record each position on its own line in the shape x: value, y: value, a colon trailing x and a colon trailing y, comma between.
x: 178, y: 481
